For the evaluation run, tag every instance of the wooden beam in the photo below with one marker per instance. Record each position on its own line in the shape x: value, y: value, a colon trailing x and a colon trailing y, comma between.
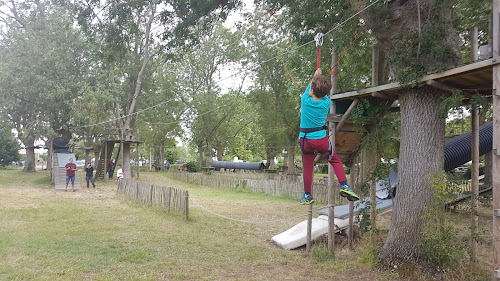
x: 346, y: 115
x: 438, y: 85
x: 383, y: 96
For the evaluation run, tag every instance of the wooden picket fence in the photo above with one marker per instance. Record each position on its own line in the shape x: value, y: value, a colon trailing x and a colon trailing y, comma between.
x: 172, y: 199
x: 292, y: 187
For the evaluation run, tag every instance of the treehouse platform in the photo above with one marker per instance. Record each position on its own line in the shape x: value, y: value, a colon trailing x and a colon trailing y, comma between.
x: 471, y: 79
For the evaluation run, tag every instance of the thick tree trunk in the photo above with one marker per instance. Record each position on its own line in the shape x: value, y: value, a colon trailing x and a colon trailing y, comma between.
x: 209, y: 154
x: 421, y: 154
x: 220, y: 152
x: 126, y: 161
x: 29, y: 164
x: 200, y: 160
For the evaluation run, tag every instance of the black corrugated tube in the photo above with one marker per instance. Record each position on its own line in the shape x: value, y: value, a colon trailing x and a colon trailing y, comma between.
x: 238, y: 165
x: 458, y: 151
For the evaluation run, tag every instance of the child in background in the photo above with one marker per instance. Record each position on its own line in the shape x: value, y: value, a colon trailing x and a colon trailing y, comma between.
x: 119, y: 173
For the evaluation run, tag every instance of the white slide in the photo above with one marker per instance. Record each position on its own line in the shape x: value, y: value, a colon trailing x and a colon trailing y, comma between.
x: 297, y: 235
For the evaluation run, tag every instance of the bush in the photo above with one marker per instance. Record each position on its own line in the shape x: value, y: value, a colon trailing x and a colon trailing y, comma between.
x: 192, y: 166
x: 440, y: 243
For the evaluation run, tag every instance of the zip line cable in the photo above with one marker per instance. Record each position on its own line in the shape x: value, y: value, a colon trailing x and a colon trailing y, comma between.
x: 125, y: 116
x: 244, y: 70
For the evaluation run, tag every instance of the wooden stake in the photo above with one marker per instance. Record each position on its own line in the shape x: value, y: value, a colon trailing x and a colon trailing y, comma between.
x: 187, y: 204
x: 475, y: 183
x: 309, y: 228
x: 351, y: 205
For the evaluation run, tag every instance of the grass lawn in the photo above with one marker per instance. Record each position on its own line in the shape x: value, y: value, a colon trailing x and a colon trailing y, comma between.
x: 54, y: 235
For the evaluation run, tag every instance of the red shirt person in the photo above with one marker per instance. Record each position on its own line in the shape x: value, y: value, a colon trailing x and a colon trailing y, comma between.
x: 70, y: 169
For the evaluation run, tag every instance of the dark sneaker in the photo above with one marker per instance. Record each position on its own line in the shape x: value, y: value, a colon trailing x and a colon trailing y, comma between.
x: 306, y: 200
x: 346, y: 191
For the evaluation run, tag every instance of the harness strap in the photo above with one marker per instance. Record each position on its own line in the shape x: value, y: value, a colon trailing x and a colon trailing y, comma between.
x: 315, y: 129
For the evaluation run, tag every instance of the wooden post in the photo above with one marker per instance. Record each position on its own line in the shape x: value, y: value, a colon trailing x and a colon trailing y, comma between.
x: 331, y: 172
x: 370, y: 155
x: 309, y: 228
x: 474, y: 44
x: 475, y: 183
x: 138, y: 160
x: 475, y: 158
x: 496, y: 141
x: 187, y: 204
x: 351, y: 205
x: 106, y: 175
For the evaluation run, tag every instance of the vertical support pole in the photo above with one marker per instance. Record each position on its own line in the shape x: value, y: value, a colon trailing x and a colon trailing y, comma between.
x: 496, y: 141
x: 475, y: 183
x: 331, y: 178
x: 187, y: 204
x: 138, y: 159
x: 370, y: 156
x: 105, y: 164
x: 350, y: 237
x: 309, y: 227
x: 474, y: 44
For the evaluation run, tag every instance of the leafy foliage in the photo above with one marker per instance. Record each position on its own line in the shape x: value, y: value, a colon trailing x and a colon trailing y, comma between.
x: 8, y: 147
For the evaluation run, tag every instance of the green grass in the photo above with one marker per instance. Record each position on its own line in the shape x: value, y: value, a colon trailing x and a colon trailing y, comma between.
x: 53, y: 235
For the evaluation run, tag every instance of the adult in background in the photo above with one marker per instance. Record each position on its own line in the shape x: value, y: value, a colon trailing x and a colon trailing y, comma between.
x: 70, y: 174
x: 111, y: 166
x: 89, y: 176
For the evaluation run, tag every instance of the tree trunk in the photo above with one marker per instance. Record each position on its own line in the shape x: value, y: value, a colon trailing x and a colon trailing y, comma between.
x: 488, y: 169
x: 291, y: 159
x: 49, y: 155
x: 421, y: 154
x: 209, y: 154
x: 126, y: 161
x: 220, y: 152
x: 200, y: 151
x: 29, y: 164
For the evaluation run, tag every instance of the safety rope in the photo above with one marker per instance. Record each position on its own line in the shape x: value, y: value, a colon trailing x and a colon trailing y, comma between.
x: 288, y: 72
x: 334, y: 72
x: 246, y: 221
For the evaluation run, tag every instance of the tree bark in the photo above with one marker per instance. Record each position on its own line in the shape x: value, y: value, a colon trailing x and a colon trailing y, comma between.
x: 29, y: 164
x: 488, y: 169
x: 209, y: 154
x: 126, y: 161
x: 200, y: 151
x: 421, y: 154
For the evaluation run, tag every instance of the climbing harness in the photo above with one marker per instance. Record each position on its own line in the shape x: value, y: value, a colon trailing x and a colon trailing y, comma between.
x: 327, y: 154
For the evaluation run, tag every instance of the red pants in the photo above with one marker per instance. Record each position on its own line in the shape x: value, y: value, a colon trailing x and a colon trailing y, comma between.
x: 321, y: 146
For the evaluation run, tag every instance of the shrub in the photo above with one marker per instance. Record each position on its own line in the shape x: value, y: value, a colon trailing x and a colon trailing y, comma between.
x: 192, y: 166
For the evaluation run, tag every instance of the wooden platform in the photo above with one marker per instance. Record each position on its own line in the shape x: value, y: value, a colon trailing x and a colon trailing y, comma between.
x: 471, y: 77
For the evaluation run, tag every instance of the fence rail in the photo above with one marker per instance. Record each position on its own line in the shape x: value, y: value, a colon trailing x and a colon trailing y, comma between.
x: 290, y: 186
x: 172, y: 199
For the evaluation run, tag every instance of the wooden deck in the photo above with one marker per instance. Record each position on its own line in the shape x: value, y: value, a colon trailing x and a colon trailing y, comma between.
x: 471, y: 77
x: 474, y: 78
